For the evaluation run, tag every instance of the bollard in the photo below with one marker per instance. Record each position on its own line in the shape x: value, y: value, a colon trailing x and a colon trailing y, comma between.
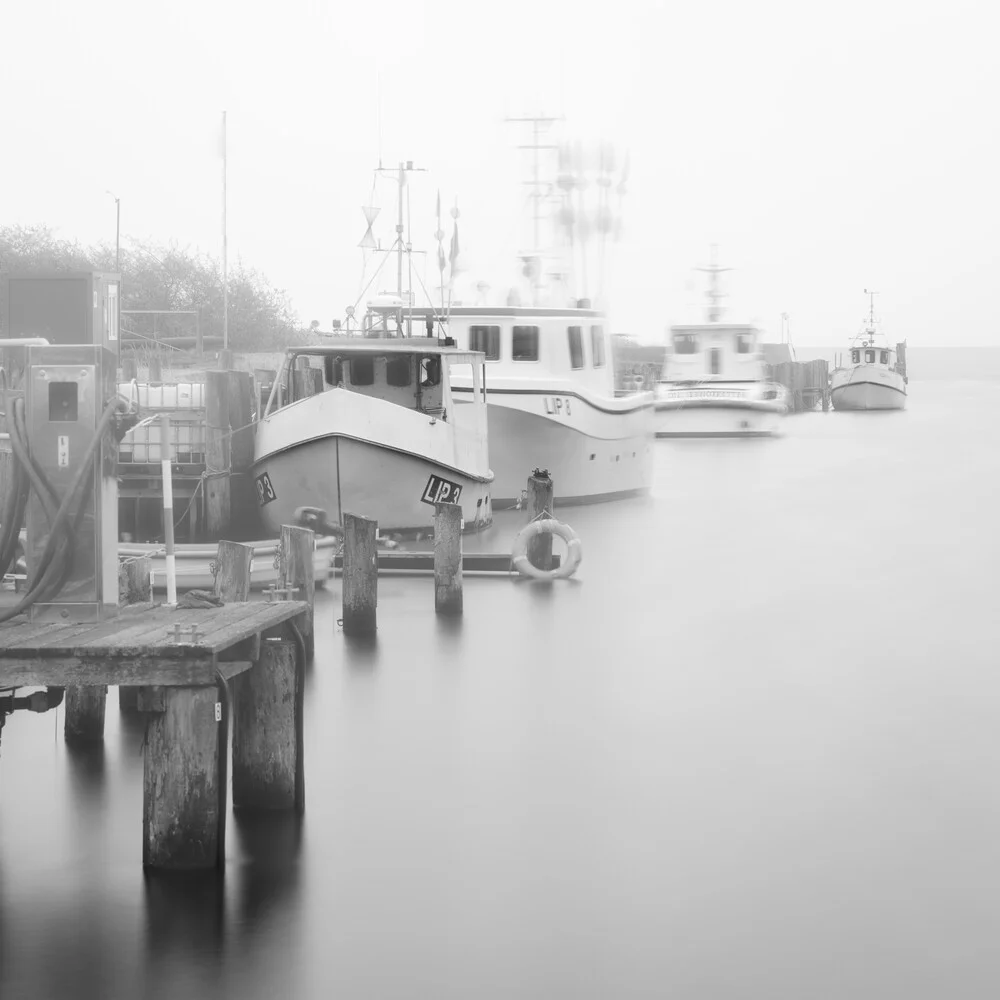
x: 267, y: 750
x: 85, y: 714
x: 541, y: 497
x: 448, y: 558
x: 360, y: 576
x: 218, y: 453
x: 295, y: 573
x: 233, y: 570
x: 182, y: 806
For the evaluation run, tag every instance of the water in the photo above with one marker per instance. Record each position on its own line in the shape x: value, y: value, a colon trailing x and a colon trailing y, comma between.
x: 751, y: 751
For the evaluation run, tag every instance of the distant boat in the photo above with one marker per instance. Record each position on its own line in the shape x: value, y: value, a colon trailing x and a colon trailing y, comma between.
x: 714, y: 380
x: 875, y: 378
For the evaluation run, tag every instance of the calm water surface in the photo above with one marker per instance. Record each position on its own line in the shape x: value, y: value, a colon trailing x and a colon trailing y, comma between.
x: 750, y: 752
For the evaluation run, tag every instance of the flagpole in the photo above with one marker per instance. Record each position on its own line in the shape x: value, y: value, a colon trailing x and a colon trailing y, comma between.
x: 225, y: 267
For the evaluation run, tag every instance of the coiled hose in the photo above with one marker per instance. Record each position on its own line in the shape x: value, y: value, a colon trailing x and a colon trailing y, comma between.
x: 56, y: 561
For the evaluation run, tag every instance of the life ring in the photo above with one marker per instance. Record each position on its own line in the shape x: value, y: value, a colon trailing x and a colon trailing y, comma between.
x: 547, y: 526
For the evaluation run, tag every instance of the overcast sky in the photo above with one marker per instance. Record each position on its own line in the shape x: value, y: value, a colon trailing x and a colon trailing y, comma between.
x: 825, y: 149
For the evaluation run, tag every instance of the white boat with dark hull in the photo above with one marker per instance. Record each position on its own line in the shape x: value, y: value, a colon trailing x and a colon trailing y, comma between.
x: 368, y: 426
x: 714, y: 380
x: 873, y: 381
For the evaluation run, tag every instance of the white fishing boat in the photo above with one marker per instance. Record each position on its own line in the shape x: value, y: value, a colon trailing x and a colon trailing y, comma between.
x: 368, y: 426
x: 873, y: 380
x: 551, y: 401
x: 714, y: 380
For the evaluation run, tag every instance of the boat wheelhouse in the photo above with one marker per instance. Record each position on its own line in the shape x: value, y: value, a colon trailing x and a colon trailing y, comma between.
x: 367, y: 425
x: 874, y: 380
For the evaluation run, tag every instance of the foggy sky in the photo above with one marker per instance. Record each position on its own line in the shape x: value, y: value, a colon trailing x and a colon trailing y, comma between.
x: 825, y: 149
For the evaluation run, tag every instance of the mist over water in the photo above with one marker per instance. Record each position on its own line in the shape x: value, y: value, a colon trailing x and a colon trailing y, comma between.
x: 750, y: 751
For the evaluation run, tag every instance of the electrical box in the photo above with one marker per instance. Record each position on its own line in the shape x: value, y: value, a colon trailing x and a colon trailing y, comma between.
x: 64, y: 307
x: 66, y: 391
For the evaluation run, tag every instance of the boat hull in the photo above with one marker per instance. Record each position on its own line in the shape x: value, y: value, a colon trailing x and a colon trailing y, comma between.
x: 718, y: 412
x: 342, y: 475
x: 862, y: 388
x: 593, y: 454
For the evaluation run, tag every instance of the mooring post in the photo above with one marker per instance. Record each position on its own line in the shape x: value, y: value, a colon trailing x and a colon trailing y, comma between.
x: 85, y: 714
x: 225, y: 360
x: 218, y: 453
x: 135, y: 586
x: 267, y: 722
x: 155, y: 370
x: 182, y: 804
x: 360, y: 575
x: 540, y: 501
x: 233, y: 571
x: 130, y: 369
x: 448, y: 558
x: 296, y: 575
x: 243, y: 506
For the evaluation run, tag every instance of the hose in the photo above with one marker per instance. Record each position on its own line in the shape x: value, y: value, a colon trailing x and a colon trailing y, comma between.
x: 56, y: 561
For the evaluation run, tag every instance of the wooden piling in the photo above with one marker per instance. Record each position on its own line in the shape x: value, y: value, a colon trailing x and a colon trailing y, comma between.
x: 267, y: 746
x: 85, y: 714
x: 541, y: 494
x: 243, y: 504
x: 448, y: 558
x: 218, y: 454
x: 225, y: 360
x: 360, y: 576
x: 135, y: 586
x: 130, y: 369
x: 233, y: 570
x: 296, y: 574
x: 181, y: 795
x: 155, y: 370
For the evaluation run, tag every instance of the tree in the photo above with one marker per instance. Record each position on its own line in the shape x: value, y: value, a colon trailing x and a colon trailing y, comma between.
x: 171, y: 277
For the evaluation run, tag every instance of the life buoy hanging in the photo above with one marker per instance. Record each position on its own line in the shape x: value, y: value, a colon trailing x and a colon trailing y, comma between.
x: 547, y: 526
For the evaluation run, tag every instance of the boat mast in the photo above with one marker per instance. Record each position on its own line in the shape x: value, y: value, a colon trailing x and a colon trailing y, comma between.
x: 871, y: 317
x: 714, y: 296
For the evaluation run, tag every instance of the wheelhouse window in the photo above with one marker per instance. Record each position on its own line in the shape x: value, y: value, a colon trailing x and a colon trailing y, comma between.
x: 715, y: 361
x: 686, y: 343
x: 744, y: 343
x: 398, y: 372
x: 884, y: 357
x: 869, y: 357
x: 362, y: 371
x: 430, y: 372
x: 597, y: 346
x: 855, y: 357
x: 525, y: 343
x: 485, y: 339
x: 575, y: 334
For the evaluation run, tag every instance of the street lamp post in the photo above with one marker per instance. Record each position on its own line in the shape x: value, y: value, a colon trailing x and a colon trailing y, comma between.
x: 118, y: 229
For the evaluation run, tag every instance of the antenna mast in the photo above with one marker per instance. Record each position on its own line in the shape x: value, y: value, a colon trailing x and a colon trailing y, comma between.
x: 714, y: 296
x: 871, y: 316
x: 540, y: 125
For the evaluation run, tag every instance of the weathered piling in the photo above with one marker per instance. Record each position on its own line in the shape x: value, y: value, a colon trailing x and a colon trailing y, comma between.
x: 135, y: 586
x: 85, y: 714
x: 225, y: 360
x: 448, y: 558
x: 541, y: 492
x: 233, y: 571
x: 181, y: 794
x: 218, y: 453
x: 155, y: 370
x: 267, y: 751
x: 360, y: 579
x: 130, y: 368
x: 296, y: 576
x: 243, y: 506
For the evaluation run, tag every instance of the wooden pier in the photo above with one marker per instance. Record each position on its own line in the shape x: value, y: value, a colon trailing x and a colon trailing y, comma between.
x: 189, y: 666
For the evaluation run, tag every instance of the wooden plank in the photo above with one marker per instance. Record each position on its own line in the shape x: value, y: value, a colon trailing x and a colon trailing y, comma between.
x: 67, y: 671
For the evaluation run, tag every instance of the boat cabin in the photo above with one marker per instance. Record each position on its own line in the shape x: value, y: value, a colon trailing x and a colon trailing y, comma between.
x: 532, y: 343
x: 716, y: 351
x: 410, y: 372
x: 873, y: 355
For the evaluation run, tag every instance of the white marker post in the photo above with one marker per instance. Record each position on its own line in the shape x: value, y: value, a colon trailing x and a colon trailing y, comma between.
x: 168, y: 508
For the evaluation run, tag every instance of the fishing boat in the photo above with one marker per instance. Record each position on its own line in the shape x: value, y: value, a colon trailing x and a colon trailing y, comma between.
x: 551, y: 400
x: 366, y: 423
x: 875, y: 378
x: 714, y: 380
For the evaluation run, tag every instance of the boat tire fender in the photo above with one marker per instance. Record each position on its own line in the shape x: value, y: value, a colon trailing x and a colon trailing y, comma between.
x: 574, y: 550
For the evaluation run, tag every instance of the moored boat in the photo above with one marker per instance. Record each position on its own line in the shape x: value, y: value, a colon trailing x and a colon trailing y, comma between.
x: 875, y: 379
